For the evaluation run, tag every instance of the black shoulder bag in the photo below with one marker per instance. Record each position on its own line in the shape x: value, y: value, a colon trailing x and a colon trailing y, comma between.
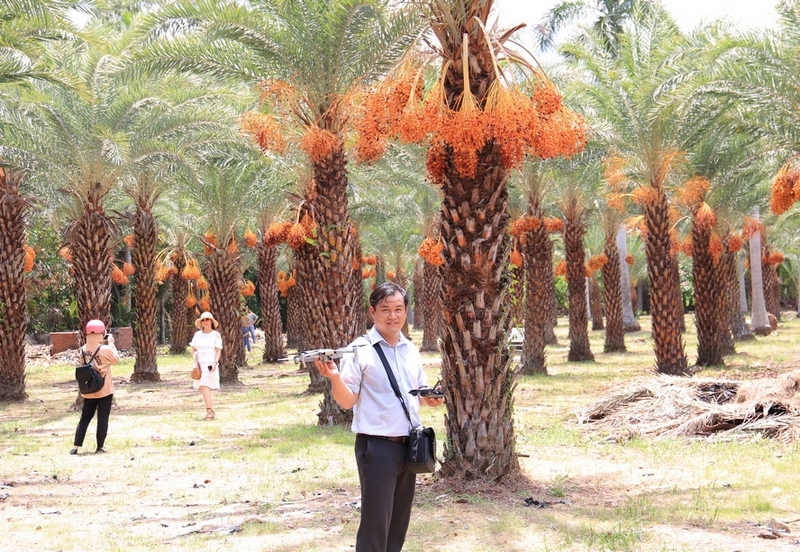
x: 421, y: 451
x: 89, y: 379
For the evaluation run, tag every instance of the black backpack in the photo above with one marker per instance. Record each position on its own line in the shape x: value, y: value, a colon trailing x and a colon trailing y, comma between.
x: 89, y: 379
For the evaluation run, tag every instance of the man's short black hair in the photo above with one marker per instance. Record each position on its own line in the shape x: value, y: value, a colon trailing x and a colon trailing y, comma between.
x: 387, y: 289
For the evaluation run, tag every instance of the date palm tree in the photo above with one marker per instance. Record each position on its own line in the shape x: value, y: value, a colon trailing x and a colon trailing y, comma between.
x: 643, y: 116
x: 471, y: 122
x: 609, y: 17
x: 312, y: 55
x: 26, y: 28
x: 537, y: 252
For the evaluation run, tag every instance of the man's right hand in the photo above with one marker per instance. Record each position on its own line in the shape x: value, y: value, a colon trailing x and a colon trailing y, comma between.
x: 326, y: 369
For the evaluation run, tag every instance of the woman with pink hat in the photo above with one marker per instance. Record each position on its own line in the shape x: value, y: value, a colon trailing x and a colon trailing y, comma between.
x: 206, y: 348
x: 97, y: 341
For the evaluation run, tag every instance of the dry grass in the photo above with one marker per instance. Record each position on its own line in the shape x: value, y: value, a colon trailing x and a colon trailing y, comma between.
x: 263, y: 476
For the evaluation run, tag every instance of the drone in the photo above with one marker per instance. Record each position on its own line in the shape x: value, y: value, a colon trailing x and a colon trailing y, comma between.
x: 324, y: 354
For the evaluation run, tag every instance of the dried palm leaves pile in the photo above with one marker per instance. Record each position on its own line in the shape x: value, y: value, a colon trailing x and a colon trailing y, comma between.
x: 664, y: 406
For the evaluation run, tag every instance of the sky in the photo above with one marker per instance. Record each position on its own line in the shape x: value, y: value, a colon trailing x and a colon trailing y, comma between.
x: 745, y: 14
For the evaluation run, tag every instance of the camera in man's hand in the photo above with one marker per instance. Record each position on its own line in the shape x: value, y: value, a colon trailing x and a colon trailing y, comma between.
x: 210, y: 368
x: 105, y: 338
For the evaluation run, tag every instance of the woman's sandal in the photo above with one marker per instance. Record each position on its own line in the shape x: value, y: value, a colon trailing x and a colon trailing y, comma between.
x: 210, y: 414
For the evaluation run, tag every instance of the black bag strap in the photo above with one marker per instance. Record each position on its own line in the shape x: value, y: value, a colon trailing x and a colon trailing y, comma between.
x: 83, y: 354
x: 392, y: 380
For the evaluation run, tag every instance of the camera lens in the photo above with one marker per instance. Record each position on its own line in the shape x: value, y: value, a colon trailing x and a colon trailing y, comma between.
x: 210, y: 368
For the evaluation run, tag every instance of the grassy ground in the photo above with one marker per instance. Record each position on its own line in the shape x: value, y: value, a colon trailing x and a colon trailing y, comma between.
x: 264, y: 476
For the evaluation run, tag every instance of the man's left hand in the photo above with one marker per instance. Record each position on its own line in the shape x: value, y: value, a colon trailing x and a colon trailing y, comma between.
x: 433, y: 401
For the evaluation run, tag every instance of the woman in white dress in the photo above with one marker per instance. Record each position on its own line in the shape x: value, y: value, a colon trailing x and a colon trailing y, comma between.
x: 206, y: 348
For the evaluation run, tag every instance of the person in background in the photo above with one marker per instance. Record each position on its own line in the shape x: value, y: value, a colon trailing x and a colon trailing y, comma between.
x: 251, y: 316
x: 246, y: 333
x: 206, y: 348
x: 99, y: 401
x: 379, y: 421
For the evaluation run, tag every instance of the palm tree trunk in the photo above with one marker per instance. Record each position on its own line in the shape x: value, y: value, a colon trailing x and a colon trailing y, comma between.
x: 223, y: 273
x: 550, y: 306
x: 13, y: 326
x: 595, y: 303
x: 144, y: 261
x: 661, y: 265
x: 327, y: 274
x: 628, y: 319
x: 431, y: 306
x: 538, y: 263
x: 419, y: 292
x: 772, y: 284
x: 707, y: 297
x: 180, y: 314
x: 516, y: 295
x: 741, y: 330
x: 294, y: 320
x: 270, y: 302
x: 615, y: 326
x: 574, y: 230
x: 476, y: 363
x: 91, y: 265
x: 726, y: 274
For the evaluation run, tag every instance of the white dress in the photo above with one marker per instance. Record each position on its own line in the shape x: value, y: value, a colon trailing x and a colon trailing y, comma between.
x: 205, y: 345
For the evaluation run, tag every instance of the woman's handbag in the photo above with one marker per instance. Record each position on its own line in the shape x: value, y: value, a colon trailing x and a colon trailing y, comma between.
x: 196, y: 372
x: 89, y: 379
x: 421, y: 449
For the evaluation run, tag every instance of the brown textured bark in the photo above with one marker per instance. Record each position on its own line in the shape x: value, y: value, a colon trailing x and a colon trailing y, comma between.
x: 596, y: 303
x: 270, y: 302
x: 772, y: 283
x: 180, y: 314
x: 328, y: 273
x: 89, y: 239
x: 550, y: 306
x: 419, y: 292
x: 707, y: 298
x: 223, y: 274
x: 431, y: 306
x: 726, y: 273
x: 476, y: 363
x: 537, y: 252
x: 615, y: 325
x: 574, y: 230
x: 294, y: 320
x: 661, y: 268
x: 516, y: 295
x: 145, y: 367
x: 13, y: 207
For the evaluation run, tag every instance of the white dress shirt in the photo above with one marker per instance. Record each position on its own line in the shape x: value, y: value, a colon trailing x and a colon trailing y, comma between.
x: 378, y: 410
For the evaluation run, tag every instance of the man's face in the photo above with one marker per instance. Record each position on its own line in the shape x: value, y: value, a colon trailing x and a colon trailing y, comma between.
x: 389, y: 315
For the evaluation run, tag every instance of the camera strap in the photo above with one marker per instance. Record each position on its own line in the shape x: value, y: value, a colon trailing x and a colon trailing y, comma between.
x: 392, y: 380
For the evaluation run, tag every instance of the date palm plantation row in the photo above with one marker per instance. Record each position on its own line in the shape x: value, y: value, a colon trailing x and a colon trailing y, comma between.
x: 286, y: 140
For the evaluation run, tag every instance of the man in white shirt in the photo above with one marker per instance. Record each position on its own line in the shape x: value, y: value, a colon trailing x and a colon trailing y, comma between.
x: 379, y: 421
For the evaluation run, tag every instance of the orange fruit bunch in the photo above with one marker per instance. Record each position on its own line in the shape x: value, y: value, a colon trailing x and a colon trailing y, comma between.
x: 263, y: 130
x: 431, y: 250
x: 247, y: 288
x: 522, y: 225
x: 277, y: 233
x: 250, y: 239
x: 596, y: 262
x: 118, y: 276
x: 30, y: 258
x: 319, y: 144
